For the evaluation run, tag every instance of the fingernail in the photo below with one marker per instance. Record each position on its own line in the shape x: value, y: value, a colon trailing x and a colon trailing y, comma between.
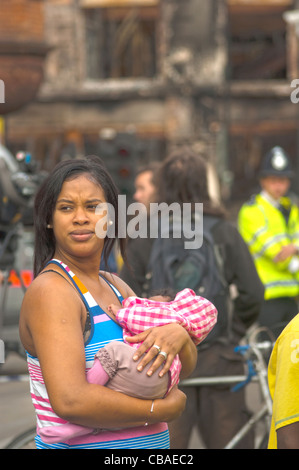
x: 149, y: 373
x: 135, y: 357
x: 139, y: 368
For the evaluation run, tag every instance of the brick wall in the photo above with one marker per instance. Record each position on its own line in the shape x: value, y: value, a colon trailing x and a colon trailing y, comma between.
x: 21, y: 20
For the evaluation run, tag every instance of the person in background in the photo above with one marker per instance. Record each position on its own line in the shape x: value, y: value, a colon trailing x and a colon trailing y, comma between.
x: 145, y: 189
x: 145, y: 193
x: 269, y: 224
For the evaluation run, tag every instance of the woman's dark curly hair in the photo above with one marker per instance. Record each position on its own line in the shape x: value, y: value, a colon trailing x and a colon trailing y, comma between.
x: 46, y: 197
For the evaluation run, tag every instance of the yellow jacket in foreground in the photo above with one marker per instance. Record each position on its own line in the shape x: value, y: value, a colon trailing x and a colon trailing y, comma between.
x: 283, y: 380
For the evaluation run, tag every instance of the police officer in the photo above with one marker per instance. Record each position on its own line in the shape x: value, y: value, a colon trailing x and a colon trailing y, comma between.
x: 269, y: 224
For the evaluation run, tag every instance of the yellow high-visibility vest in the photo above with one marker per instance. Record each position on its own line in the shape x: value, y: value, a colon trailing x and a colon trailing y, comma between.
x: 265, y: 230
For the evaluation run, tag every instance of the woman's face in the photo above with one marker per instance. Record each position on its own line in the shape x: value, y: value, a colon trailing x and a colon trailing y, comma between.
x: 75, y: 218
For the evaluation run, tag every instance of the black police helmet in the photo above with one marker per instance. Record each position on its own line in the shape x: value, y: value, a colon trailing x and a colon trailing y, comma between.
x: 276, y: 163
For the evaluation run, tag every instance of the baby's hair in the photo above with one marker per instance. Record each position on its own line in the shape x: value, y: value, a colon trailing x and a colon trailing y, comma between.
x: 166, y: 292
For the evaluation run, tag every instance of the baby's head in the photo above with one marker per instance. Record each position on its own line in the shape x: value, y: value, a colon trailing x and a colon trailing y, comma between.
x: 163, y: 295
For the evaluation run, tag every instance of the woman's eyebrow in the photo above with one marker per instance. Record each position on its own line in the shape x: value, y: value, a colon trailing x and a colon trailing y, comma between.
x: 98, y: 201
x: 63, y: 200
x: 69, y: 201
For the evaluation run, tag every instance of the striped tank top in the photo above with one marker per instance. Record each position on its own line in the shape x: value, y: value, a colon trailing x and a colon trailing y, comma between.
x: 103, y: 330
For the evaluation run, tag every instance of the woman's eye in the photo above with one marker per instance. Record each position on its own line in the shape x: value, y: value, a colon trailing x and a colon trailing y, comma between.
x: 92, y: 207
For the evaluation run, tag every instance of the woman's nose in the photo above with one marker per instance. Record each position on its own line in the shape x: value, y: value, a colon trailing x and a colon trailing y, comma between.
x: 80, y: 215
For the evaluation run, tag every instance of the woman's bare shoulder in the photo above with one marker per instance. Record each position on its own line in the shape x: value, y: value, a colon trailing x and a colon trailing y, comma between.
x: 49, y: 302
x: 46, y: 280
x: 48, y: 288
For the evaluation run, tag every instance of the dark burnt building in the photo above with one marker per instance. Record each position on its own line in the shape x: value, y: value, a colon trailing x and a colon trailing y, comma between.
x: 131, y: 79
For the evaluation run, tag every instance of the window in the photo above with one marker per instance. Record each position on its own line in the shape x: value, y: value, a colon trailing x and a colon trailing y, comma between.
x: 121, y: 42
x: 258, y: 48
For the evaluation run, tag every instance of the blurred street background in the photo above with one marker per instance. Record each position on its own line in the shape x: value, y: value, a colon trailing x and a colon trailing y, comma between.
x: 16, y: 409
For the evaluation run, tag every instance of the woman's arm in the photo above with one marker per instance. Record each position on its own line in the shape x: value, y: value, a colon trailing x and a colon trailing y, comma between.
x: 55, y: 324
x: 288, y: 436
x: 241, y: 272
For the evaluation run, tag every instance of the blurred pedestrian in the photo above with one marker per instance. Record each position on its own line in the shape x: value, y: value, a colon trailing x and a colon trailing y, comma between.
x: 216, y: 411
x: 145, y: 194
x: 269, y: 224
x: 145, y: 188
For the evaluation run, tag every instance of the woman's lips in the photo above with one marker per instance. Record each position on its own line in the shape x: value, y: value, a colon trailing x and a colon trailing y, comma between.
x: 81, y: 235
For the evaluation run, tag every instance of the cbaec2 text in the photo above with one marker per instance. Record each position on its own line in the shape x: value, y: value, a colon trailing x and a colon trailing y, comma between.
x: 151, y: 459
x: 174, y: 459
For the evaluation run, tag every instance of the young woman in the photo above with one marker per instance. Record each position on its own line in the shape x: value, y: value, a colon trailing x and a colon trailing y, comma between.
x: 64, y: 320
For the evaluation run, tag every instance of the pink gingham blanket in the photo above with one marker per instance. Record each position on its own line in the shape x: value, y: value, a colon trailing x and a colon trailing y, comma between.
x: 196, y: 314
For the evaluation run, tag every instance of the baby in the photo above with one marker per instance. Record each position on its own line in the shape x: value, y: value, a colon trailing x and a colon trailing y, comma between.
x: 114, y: 366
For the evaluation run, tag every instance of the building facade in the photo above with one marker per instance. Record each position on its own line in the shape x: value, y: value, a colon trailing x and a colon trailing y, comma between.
x: 131, y: 79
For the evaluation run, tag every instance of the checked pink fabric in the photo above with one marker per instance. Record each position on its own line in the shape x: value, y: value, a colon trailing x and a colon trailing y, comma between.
x: 196, y: 314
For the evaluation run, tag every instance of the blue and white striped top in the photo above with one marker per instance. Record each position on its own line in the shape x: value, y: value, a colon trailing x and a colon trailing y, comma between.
x: 103, y: 330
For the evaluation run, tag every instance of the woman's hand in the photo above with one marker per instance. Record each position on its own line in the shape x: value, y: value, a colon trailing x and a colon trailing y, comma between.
x: 170, y: 339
